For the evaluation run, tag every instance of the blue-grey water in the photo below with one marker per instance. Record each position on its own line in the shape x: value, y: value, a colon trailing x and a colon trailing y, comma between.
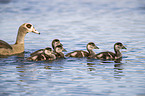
x: 75, y: 23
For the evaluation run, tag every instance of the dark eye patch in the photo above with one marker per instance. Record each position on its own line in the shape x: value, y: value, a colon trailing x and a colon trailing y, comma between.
x: 29, y: 25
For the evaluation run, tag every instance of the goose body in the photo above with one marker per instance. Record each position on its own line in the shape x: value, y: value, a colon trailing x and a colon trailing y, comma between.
x: 47, y: 54
x: 18, y: 47
x: 80, y: 53
x: 110, y: 55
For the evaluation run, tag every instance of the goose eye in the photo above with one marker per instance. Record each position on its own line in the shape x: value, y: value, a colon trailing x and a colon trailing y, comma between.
x: 28, y: 25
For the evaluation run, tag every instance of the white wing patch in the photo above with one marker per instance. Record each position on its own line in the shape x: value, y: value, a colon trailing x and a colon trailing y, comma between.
x: 110, y: 55
x: 100, y: 55
x: 34, y: 58
x: 53, y: 56
x: 73, y: 54
x: 44, y: 57
x: 83, y: 53
x: 107, y: 57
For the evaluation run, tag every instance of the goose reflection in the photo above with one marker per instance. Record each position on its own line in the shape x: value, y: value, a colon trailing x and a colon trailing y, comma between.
x: 33, y: 71
x: 30, y: 75
x: 26, y: 73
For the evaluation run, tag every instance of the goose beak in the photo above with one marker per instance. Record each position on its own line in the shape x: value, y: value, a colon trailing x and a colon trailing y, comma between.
x: 96, y: 47
x: 124, y: 47
x: 35, y: 31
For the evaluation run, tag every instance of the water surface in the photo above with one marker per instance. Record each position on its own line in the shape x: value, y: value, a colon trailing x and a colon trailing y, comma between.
x: 75, y: 23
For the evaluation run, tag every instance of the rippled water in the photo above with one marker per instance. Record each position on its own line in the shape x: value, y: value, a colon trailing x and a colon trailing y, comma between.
x: 75, y: 23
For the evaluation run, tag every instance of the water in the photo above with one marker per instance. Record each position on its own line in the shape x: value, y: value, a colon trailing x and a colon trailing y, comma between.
x: 75, y: 23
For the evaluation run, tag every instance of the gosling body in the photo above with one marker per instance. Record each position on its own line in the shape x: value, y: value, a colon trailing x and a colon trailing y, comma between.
x: 110, y: 55
x: 58, y: 50
x: 54, y: 43
x: 47, y: 54
x: 80, y: 53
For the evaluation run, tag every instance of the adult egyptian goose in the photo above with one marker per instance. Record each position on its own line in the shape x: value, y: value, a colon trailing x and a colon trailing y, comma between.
x: 18, y: 47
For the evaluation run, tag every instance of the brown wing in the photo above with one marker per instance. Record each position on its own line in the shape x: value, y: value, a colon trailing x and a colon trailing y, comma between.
x: 37, y: 52
x: 105, y: 55
x: 77, y: 53
x: 85, y: 54
x: 4, y: 44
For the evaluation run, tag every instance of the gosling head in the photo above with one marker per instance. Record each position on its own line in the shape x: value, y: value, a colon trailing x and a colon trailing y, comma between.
x: 119, y: 46
x: 56, y: 42
x: 91, y: 46
x: 59, y: 49
x: 48, y: 51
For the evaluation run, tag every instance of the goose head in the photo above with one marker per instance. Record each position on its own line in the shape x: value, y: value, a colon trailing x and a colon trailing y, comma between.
x: 27, y: 27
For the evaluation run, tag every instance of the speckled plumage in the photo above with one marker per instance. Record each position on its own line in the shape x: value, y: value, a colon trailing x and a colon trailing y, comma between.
x: 59, y: 51
x: 110, y: 55
x: 80, y: 53
x: 54, y: 43
x: 47, y: 54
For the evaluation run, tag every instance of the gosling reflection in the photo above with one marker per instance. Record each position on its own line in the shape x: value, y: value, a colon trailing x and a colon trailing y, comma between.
x: 118, y: 66
x: 118, y: 69
x: 91, y: 64
x: 91, y: 67
x: 47, y: 67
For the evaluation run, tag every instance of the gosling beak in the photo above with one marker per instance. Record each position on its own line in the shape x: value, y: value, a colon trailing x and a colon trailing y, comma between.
x: 96, y: 47
x: 124, y: 47
x: 61, y: 44
x: 64, y: 50
x: 35, y: 31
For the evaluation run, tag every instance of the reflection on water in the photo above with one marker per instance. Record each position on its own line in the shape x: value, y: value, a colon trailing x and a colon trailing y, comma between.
x: 118, y: 70
x: 118, y: 66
